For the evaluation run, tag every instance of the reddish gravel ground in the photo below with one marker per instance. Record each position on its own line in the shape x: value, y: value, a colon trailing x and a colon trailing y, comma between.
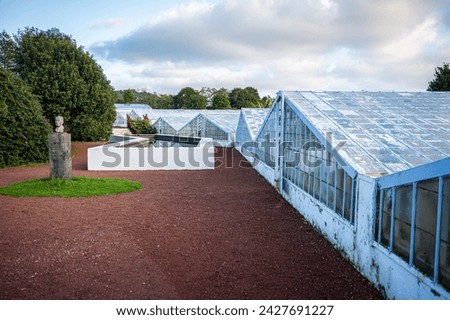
x: 216, y: 234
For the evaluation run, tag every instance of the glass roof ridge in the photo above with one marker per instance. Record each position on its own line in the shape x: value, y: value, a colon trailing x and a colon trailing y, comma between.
x: 381, y: 167
x: 257, y: 120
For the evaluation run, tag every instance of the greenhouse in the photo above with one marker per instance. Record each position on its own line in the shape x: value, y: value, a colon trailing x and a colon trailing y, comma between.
x: 138, y: 109
x: 250, y: 121
x: 121, y: 119
x: 371, y: 170
x: 171, y: 121
x: 164, y: 127
x: 220, y: 125
x: 194, y: 127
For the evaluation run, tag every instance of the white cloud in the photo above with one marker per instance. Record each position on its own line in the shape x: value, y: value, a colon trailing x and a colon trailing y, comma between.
x: 284, y: 44
x: 106, y: 24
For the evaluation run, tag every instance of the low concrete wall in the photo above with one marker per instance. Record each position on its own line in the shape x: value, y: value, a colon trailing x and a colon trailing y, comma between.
x: 338, y: 230
x: 115, y: 156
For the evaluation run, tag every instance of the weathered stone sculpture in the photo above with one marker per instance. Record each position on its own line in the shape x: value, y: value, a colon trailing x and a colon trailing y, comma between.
x: 59, y: 122
x: 59, y: 144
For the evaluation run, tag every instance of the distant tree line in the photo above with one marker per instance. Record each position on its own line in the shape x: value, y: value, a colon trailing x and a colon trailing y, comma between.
x: 206, y: 98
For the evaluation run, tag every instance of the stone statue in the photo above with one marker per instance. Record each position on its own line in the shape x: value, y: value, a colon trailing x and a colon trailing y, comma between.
x: 59, y: 121
x: 59, y: 147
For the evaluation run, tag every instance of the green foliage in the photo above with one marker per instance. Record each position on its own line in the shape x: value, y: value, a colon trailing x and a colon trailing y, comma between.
x: 266, y: 102
x: 140, y: 126
x: 441, y: 81
x: 244, y: 98
x: 164, y: 101
x: 75, y: 187
x: 209, y: 94
x: 128, y: 96
x: 154, y: 100
x: 23, y: 129
x: 221, y: 100
x: 8, y: 50
x: 67, y: 81
x: 188, y: 98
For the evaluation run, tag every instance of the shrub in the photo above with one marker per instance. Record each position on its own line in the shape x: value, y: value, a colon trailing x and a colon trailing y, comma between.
x: 23, y: 129
x: 140, y: 126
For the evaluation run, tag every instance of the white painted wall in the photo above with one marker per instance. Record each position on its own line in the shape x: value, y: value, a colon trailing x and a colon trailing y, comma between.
x: 115, y: 157
x: 338, y: 230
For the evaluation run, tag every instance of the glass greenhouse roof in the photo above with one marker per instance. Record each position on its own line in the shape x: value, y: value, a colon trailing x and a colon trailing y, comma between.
x: 227, y: 120
x: 382, y: 132
x: 254, y: 119
x: 176, y: 120
x: 140, y: 109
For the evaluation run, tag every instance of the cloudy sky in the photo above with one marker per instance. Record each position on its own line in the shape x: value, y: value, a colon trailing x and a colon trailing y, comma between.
x: 165, y: 45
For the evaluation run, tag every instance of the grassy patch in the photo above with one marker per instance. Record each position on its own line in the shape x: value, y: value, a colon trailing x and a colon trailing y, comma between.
x: 76, y: 187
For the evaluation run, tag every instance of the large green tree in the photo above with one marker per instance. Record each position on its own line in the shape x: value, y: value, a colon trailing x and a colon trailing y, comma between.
x: 441, y: 81
x: 128, y: 96
x: 221, y: 100
x: 164, y: 101
x: 266, y: 102
x: 23, y: 129
x: 189, y: 98
x: 244, y: 98
x: 67, y: 81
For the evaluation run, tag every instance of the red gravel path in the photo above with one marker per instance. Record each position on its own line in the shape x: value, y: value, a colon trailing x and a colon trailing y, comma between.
x: 217, y: 234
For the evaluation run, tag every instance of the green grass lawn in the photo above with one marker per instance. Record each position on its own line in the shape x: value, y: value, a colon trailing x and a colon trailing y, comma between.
x: 76, y: 187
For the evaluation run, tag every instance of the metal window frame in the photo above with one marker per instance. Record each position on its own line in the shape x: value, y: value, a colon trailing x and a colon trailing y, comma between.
x: 344, y: 193
x: 413, y: 224
x: 437, y: 247
x: 392, y: 229
x: 380, y: 217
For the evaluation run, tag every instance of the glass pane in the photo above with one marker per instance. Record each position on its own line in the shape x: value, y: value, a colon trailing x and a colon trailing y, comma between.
x: 348, y: 196
x: 316, y: 188
x: 402, y: 221
x: 310, y: 182
x: 426, y: 206
x: 340, y: 190
x: 324, y: 180
x: 317, y: 161
x: 332, y: 174
x: 444, y: 260
x: 386, y: 211
x: 377, y: 217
